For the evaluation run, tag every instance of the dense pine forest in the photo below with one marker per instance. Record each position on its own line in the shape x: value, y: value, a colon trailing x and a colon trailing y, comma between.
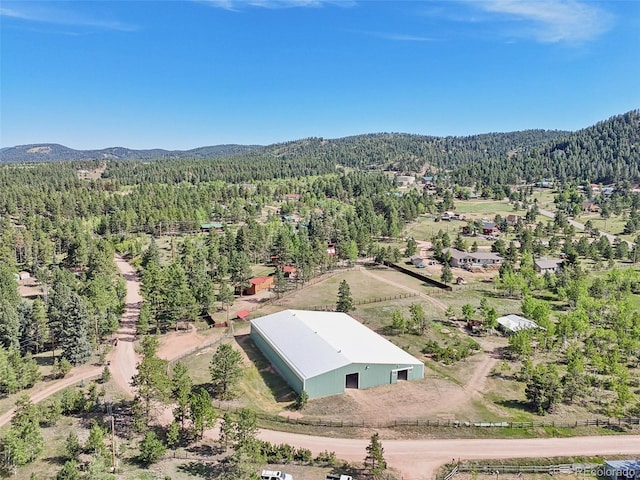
x: 62, y: 223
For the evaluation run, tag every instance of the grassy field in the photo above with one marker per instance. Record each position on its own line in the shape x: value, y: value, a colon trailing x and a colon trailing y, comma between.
x: 325, y: 293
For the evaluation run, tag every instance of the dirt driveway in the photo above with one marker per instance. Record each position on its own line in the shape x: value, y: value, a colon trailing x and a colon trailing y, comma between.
x: 420, y: 459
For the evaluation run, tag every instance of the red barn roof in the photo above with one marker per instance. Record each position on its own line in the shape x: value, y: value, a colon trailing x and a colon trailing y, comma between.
x: 259, y: 280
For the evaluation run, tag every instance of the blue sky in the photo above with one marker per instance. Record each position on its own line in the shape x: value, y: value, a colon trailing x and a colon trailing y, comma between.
x: 183, y: 74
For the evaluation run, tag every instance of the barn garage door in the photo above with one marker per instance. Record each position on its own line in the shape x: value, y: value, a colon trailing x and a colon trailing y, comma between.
x: 352, y: 380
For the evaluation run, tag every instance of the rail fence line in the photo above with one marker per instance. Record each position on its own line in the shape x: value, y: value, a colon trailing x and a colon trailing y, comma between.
x: 199, y: 348
x: 317, y: 422
x: 331, y: 308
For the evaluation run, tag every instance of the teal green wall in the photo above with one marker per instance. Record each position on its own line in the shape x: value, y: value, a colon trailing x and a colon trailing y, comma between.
x: 333, y: 382
x: 291, y: 377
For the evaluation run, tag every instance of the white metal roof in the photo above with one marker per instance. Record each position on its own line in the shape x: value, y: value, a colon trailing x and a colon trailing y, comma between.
x: 515, y: 323
x: 313, y: 343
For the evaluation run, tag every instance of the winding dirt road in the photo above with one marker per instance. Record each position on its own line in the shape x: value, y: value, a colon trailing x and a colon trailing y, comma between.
x: 123, y: 358
x: 415, y: 459
x: 420, y: 459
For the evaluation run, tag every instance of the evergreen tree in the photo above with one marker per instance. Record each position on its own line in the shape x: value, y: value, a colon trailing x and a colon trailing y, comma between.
x: 74, y: 336
x: 72, y: 447
x: 227, y: 431
x: 95, y: 443
x: 70, y: 471
x: 226, y: 371
x: 345, y: 300
x: 151, y: 381
x: 375, y: 456
x: 544, y: 388
x: 240, y: 270
x: 181, y: 385
x: 151, y: 449
x: 446, y: 276
x: 418, y: 318
x: 9, y: 325
x: 201, y: 411
x: 23, y: 442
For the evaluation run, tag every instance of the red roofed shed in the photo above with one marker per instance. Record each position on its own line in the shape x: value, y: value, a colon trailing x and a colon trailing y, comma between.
x: 258, y: 284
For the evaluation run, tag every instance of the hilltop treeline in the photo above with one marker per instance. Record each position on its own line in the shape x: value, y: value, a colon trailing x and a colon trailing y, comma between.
x: 608, y: 152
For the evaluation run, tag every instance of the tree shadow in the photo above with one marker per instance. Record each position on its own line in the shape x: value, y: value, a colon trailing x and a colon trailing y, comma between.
x: 44, y: 361
x: 516, y: 405
x: 272, y: 379
x: 201, y: 469
x: 205, y: 450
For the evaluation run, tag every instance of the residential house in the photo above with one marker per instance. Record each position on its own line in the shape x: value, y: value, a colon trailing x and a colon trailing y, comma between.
x: 331, y: 250
x: 462, y: 259
x: 206, y: 227
x: 490, y: 228
x: 589, y: 206
x: 512, y: 220
x: 259, y: 284
x: 547, y: 266
x: 292, y: 196
x: 486, y: 259
x: 405, y: 180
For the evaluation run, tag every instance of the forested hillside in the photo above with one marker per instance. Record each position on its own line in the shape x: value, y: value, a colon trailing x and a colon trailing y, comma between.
x: 604, y: 153
x: 608, y: 152
x: 52, y: 152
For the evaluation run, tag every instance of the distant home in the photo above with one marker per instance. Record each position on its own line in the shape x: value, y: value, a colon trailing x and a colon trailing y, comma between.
x: 514, y: 323
x: 292, y: 196
x: 405, y: 180
x: 547, y: 266
x: 513, y: 220
x: 331, y: 250
x: 289, y: 271
x: 448, y: 216
x: 622, y: 469
x: 590, y: 207
x: 258, y: 284
x: 418, y: 261
x: 490, y: 228
x: 207, y: 227
x: 462, y: 259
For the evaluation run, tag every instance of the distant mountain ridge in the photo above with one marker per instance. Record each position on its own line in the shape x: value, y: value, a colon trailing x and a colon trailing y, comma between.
x: 53, y: 152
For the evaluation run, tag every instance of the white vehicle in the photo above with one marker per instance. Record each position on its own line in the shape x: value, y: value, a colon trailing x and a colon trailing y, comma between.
x: 339, y: 477
x: 274, y: 475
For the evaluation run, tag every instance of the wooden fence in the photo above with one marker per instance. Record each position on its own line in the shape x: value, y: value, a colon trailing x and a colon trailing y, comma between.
x: 413, y: 273
x: 554, y: 469
x: 437, y: 423
x: 399, y: 296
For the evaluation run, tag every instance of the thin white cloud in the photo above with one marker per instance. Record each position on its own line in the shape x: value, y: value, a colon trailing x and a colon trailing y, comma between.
x: 401, y: 37
x: 551, y: 21
x: 236, y: 5
x: 45, y: 14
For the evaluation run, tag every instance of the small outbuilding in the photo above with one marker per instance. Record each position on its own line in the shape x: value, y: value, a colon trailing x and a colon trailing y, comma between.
x: 242, y: 314
x: 418, y: 261
x: 258, y: 284
x: 514, y: 323
x: 325, y: 353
